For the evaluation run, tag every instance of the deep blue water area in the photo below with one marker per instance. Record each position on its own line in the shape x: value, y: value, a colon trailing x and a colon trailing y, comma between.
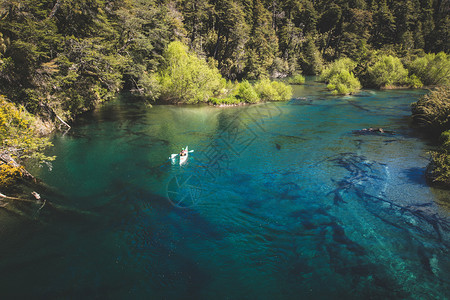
x: 286, y: 200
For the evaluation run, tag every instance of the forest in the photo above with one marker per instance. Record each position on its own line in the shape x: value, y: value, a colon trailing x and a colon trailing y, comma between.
x: 60, y: 58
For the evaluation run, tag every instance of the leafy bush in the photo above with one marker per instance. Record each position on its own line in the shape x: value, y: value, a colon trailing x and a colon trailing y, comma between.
x: 415, y: 82
x: 297, y: 79
x: 445, y: 139
x: 186, y: 78
x: 333, y: 69
x: 432, y: 111
x: 273, y: 90
x: 432, y: 69
x: 340, y: 77
x: 284, y: 91
x: 246, y: 92
x: 18, y: 140
x: 388, y: 71
x: 230, y: 100
x: 438, y: 170
x: 343, y: 83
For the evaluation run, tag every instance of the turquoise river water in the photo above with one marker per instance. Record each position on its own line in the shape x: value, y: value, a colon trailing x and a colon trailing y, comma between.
x: 277, y: 201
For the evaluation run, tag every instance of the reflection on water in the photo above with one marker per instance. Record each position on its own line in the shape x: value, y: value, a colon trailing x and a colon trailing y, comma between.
x: 278, y: 200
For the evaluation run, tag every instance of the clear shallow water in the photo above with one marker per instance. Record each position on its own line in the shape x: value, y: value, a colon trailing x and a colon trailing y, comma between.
x: 280, y: 200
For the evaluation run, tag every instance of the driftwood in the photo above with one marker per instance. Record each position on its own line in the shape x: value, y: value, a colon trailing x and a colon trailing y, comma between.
x: 54, y: 114
x: 60, y: 209
x: 15, y: 198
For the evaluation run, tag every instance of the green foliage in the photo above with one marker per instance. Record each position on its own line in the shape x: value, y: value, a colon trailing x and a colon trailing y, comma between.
x: 439, y: 168
x: 19, y: 140
x: 432, y: 69
x: 388, y: 71
x: 246, y: 92
x: 230, y: 100
x: 432, y: 111
x: 69, y: 56
x: 343, y: 83
x: 273, y: 90
x: 445, y: 140
x: 340, y: 77
x: 311, y: 58
x: 262, y: 47
x: 186, y: 78
x: 297, y: 79
x: 415, y: 82
x: 333, y: 69
x: 225, y: 38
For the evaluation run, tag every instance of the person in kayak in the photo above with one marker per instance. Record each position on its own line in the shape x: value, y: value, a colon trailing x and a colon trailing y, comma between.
x: 183, y: 152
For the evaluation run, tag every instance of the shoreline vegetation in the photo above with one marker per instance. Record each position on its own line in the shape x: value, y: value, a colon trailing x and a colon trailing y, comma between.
x: 59, y: 59
x: 432, y: 114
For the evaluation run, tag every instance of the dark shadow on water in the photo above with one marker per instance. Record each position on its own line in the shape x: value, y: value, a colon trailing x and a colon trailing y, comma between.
x: 416, y: 175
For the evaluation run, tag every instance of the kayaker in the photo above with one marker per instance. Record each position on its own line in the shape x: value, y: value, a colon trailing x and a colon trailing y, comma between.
x: 183, y: 152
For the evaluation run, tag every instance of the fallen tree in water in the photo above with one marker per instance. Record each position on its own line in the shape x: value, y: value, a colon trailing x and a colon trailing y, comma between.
x: 20, y: 141
x: 29, y: 206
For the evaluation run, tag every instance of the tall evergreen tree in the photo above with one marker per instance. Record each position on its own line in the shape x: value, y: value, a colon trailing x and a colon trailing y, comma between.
x: 262, y: 47
x: 232, y: 36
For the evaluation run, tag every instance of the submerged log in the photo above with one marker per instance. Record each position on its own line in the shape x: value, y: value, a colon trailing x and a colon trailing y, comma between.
x: 373, y: 131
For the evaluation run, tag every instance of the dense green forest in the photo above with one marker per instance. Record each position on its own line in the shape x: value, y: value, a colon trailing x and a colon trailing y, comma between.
x: 59, y: 58
x: 63, y: 56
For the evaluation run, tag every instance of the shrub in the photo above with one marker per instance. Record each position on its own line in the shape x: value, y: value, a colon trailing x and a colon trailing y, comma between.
x: 230, y: 100
x: 445, y: 139
x: 273, y: 90
x: 343, y: 64
x: 340, y: 77
x: 246, y: 92
x: 438, y: 170
x: 284, y: 91
x: 432, y: 69
x: 388, y: 71
x: 432, y: 111
x: 186, y: 78
x: 344, y: 83
x: 297, y: 79
x: 18, y: 140
x: 415, y: 82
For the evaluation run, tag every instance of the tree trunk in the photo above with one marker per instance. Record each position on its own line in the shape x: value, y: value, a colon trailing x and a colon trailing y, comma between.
x: 55, y: 9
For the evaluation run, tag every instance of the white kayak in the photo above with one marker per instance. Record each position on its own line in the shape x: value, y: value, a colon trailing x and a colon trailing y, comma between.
x: 184, y: 157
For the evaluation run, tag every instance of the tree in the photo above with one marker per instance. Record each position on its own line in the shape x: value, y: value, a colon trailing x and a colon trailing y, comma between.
x: 384, y: 29
x: 311, y: 59
x: 356, y: 33
x: 432, y: 111
x: 197, y: 20
x: 340, y: 78
x: 185, y: 78
x: 290, y: 40
x: 232, y: 34
x: 432, y: 69
x: 19, y: 141
x: 262, y: 47
x: 388, y: 71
